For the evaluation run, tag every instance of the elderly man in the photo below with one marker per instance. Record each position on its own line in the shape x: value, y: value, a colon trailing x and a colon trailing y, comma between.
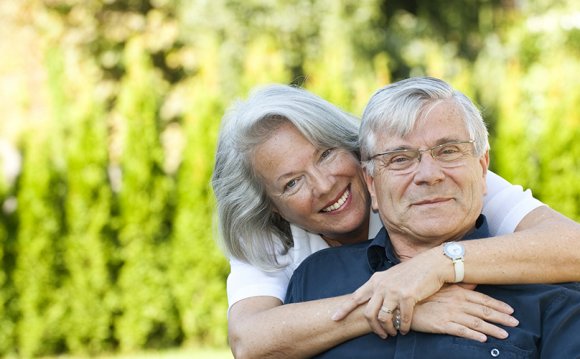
x: 425, y: 150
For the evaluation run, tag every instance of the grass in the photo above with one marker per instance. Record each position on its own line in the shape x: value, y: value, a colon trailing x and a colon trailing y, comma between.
x: 198, y: 353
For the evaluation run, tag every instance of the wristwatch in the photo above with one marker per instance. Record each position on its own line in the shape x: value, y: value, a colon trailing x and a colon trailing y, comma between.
x: 455, y: 251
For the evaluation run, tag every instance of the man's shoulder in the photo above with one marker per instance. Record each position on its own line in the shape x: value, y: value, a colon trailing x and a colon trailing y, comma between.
x: 329, y: 256
x: 329, y: 273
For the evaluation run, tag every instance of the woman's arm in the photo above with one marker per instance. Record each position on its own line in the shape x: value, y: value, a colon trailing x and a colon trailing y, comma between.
x: 544, y: 249
x: 260, y: 327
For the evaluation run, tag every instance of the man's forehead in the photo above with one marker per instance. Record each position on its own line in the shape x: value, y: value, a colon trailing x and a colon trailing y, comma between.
x: 423, y: 136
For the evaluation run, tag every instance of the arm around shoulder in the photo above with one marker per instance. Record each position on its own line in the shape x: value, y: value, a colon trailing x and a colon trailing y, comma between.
x: 559, y: 239
x: 545, y: 248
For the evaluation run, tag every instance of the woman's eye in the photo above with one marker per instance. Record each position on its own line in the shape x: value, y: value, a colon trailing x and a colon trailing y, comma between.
x: 291, y: 184
x: 326, y: 153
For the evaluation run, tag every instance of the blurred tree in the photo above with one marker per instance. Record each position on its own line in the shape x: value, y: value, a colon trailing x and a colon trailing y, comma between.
x: 195, y: 258
x: 88, y: 207
x: 147, y: 313
x: 7, y: 255
x: 39, y: 268
x: 533, y: 99
x: 111, y: 244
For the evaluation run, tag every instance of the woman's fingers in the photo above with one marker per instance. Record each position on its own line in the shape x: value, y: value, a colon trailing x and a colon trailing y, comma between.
x: 460, y: 312
x: 360, y: 296
x: 488, y: 302
x: 406, y: 308
x: 475, y: 328
x: 379, y: 316
x: 462, y: 331
x: 481, y: 313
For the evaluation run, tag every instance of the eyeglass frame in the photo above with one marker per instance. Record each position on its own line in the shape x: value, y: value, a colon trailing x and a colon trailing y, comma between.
x: 420, y: 154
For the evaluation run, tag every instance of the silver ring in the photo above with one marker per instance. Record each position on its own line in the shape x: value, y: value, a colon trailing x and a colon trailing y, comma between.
x: 397, y: 320
x: 386, y: 310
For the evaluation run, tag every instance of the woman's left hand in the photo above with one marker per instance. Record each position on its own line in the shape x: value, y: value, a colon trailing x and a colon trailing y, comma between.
x: 460, y: 311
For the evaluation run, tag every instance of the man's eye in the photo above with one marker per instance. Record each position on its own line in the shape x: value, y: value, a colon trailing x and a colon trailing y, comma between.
x: 400, y: 159
x: 449, y: 150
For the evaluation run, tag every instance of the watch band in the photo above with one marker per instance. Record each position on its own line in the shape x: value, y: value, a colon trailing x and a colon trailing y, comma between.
x: 459, y: 269
x: 455, y: 251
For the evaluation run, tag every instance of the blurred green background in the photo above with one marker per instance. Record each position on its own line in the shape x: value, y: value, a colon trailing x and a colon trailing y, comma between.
x: 110, y: 116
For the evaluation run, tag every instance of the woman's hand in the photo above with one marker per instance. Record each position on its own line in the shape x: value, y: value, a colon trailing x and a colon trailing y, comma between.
x: 405, y: 285
x: 401, y: 286
x: 458, y: 310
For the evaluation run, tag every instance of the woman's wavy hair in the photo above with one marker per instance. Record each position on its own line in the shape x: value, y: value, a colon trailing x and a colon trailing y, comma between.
x: 249, y: 229
x: 395, y: 108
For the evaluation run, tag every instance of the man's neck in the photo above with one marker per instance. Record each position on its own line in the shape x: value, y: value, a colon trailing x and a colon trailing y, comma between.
x: 406, y: 246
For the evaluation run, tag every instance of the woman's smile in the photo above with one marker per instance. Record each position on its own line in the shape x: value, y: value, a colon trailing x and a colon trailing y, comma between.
x: 339, y: 203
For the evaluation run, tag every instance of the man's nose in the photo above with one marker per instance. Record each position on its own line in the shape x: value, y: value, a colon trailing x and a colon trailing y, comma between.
x: 429, y: 170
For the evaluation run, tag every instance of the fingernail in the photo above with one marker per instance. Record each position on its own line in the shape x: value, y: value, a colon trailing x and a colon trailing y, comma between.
x: 514, y: 321
x: 334, y: 317
x: 504, y: 334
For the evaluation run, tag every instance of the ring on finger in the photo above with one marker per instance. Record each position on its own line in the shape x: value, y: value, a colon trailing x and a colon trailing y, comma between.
x: 397, y: 320
x: 386, y: 310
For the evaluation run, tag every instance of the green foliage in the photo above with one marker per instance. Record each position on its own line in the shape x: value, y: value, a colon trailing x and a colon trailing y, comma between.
x: 194, y: 257
x: 536, y: 100
x: 39, y: 264
x: 88, y: 213
x: 147, y: 314
x: 112, y: 243
x: 7, y: 295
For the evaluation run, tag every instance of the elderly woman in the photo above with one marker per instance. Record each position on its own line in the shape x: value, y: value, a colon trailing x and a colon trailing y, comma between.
x: 288, y: 182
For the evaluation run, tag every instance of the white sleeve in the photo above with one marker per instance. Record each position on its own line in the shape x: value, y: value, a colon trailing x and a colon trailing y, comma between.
x: 505, y: 204
x: 247, y: 281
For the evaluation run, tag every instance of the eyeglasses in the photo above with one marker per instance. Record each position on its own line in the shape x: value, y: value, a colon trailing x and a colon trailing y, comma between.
x: 447, y: 154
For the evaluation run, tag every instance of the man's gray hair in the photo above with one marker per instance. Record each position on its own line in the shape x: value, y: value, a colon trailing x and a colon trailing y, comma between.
x: 249, y: 228
x: 395, y: 108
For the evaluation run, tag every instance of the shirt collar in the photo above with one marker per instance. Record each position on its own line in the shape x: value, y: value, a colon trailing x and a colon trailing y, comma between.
x: 381, y: 254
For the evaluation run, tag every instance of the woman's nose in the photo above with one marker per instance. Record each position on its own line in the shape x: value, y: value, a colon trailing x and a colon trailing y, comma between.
x: 321, y: 182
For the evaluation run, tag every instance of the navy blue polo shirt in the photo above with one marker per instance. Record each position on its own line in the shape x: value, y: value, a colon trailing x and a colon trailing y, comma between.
x: 549, y: 315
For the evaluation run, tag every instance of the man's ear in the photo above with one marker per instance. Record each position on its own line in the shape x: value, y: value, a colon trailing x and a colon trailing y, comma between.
x: 371, y: 188
x: 484, y: 163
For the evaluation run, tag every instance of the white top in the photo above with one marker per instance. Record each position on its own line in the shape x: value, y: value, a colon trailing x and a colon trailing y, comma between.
x: 505, y: 205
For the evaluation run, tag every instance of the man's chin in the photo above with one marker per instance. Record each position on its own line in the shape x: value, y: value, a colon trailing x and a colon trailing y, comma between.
x: 436, y: 231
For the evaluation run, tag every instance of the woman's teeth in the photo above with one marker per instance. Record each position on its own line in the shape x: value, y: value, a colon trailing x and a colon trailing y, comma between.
x: 338, y: 203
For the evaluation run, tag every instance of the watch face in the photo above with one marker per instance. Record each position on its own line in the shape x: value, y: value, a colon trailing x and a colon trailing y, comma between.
x: 454, y: 250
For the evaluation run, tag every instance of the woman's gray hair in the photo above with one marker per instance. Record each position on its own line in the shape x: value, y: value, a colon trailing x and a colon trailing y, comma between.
x: 249, y: 228
x: 395, y: 108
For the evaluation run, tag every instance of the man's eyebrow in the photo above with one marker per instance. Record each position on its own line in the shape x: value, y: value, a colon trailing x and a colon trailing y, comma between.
x: 409, y: 147
x: 399, y: 148
x: 447, y: 140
